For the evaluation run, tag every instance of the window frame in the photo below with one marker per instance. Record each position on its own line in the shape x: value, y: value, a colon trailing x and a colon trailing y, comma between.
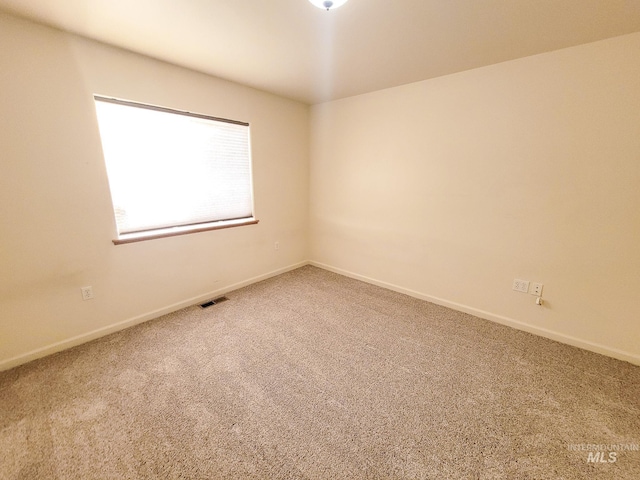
x: 183, y: 229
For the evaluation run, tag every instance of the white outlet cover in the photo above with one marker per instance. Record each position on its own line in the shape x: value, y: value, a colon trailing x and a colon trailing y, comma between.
x: 87, y: 293
x: 521, y: 285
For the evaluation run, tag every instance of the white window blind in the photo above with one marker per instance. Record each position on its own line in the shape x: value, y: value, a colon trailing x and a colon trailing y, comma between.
x: 169, y: 168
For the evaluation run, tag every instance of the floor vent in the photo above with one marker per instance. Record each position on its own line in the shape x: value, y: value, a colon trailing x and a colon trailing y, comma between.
x: 213, y: 302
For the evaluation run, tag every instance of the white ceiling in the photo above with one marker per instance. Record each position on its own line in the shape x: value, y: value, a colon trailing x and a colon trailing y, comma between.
x: 291, y: 48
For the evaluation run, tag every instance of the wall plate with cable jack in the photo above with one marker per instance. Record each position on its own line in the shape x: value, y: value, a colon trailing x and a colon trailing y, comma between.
x: 536, y: 289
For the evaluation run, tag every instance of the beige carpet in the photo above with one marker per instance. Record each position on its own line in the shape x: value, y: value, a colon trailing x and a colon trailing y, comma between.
x: 311, y: 375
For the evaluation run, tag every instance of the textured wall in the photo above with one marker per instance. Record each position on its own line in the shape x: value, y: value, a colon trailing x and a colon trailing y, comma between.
x: 57, y: 222
x: 453, y: 187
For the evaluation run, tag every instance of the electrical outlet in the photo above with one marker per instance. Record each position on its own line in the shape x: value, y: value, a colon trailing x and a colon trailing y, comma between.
x: 87, y: 293
x: 276, y: 246
x: 521, y: 285
x: 536, y: 289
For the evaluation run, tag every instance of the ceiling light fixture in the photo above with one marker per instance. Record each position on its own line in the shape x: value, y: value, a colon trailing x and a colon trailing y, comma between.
x: 328, y: 4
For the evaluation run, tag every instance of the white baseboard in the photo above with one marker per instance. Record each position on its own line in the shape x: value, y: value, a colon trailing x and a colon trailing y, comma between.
x: 89, y: 336
x: 557, y: 336
x: 101, y: 332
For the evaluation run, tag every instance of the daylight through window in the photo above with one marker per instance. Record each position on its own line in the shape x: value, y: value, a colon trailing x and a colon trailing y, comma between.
x: 174, y: 172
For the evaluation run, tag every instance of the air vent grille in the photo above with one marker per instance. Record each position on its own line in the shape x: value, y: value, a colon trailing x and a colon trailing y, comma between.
x: 215, y: 301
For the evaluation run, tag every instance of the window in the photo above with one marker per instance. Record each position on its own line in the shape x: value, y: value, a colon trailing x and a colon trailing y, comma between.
x: 172, y: 172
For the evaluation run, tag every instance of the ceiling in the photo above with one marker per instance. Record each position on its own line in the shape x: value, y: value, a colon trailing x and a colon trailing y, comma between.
x: 293, y: 49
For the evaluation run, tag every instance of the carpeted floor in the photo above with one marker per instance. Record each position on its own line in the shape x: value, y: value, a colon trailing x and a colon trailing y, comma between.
x: 311, y: 375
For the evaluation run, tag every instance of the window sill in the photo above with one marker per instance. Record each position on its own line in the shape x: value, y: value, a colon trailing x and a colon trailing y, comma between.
x: 182, y: 230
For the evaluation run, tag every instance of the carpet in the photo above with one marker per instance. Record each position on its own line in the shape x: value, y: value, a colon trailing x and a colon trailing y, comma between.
x: 312, y: 375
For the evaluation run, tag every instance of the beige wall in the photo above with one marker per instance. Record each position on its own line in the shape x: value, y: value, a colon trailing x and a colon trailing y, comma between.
x: 450, y: 188
x: 56, y: 220
x: 445, y: 189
